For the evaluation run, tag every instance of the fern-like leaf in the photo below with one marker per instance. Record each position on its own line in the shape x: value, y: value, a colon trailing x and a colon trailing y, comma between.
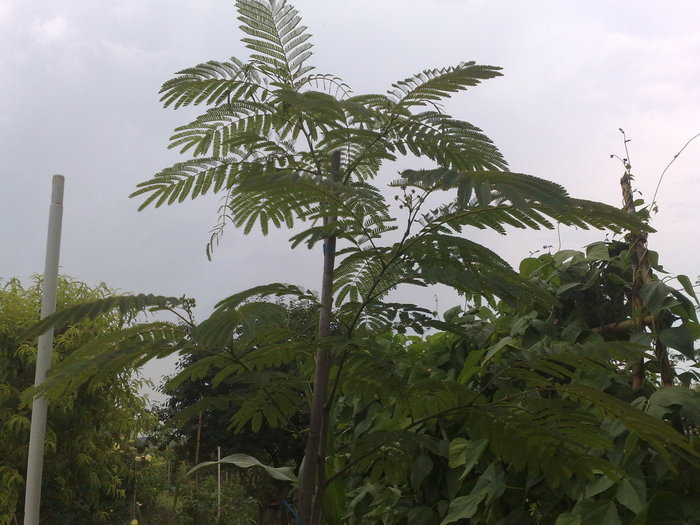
x: 126, y: 305
x: 213, y: 83
x: 449, y: 142
x: 232, y: 314
x: 111, y: 354
x: 277, y: 39
x: 432, y: 85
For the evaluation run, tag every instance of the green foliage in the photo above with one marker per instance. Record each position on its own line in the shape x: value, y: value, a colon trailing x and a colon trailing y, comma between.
x: 198, y: 504
x: 534, y: 386
x: 266, y: 142
x: 85, y: 474
x: 521, y: 415
x: 164, y: 496
x: 210, y: 388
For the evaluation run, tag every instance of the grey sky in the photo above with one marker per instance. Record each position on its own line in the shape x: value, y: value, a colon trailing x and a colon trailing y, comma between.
x: 78, y: 96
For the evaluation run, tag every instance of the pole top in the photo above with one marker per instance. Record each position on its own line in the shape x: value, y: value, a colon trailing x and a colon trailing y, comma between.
x: 57, y: 184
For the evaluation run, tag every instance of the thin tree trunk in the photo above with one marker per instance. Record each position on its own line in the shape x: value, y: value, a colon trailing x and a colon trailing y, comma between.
x: 310, y: 491
x: 198, y: 439
x: 197, y: 444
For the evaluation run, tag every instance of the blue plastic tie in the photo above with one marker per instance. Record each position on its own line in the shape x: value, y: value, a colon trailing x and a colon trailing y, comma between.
x: 291, y: 509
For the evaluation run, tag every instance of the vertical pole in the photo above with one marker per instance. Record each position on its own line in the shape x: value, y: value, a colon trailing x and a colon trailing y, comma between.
x: 218, y: 485
x: 37, y: 433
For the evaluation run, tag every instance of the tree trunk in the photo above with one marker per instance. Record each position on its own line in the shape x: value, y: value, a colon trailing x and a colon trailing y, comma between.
x: 197, y: 444
x: 310, y: 490
x: 198, y: 439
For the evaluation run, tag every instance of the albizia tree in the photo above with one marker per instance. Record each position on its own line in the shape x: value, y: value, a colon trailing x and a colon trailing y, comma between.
x: 287, y: 147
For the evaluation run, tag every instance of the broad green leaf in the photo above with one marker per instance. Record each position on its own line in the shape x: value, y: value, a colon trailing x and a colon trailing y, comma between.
x: 499, y: 346
x: 334, y: 503
x: 246, y: 461
x: 490, y: 484
x: 602, y: 512
x: 631, y: 442
x: 641, y: 338
x: 654, y: 295
x: 597, y: 251
x: 471, y: 366
x: 563, y: 255
x: 454, y: 483
x: 566, y: 287
x: 529, y: 266
x: 632, y: 493
x: 421, y: 516
x: 467, y: 453
x: 694, y: 328
x: 687, y: 286
x: 458, y: 452
x: 663, y: 507
x: 680, y: 338
x: 654, y: 261
x: 420, y: 470
x: 683, y: 400
x: 598, y: 485
x: 568, y: 519
x: 464, y: 507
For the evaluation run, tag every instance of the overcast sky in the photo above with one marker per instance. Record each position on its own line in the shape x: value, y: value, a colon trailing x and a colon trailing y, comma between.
x: 78, y: 96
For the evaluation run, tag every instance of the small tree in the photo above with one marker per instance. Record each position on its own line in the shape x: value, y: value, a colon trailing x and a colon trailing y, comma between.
x: 287, y: 145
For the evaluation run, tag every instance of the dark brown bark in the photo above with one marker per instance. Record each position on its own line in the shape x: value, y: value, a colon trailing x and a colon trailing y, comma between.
x: 310, y: 490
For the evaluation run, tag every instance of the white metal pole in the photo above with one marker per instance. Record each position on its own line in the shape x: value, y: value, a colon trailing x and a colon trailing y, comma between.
x: 37, y: 434
x: 218, y: 484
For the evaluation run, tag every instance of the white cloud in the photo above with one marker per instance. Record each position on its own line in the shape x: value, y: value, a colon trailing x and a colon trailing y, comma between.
x: 50, y: 30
